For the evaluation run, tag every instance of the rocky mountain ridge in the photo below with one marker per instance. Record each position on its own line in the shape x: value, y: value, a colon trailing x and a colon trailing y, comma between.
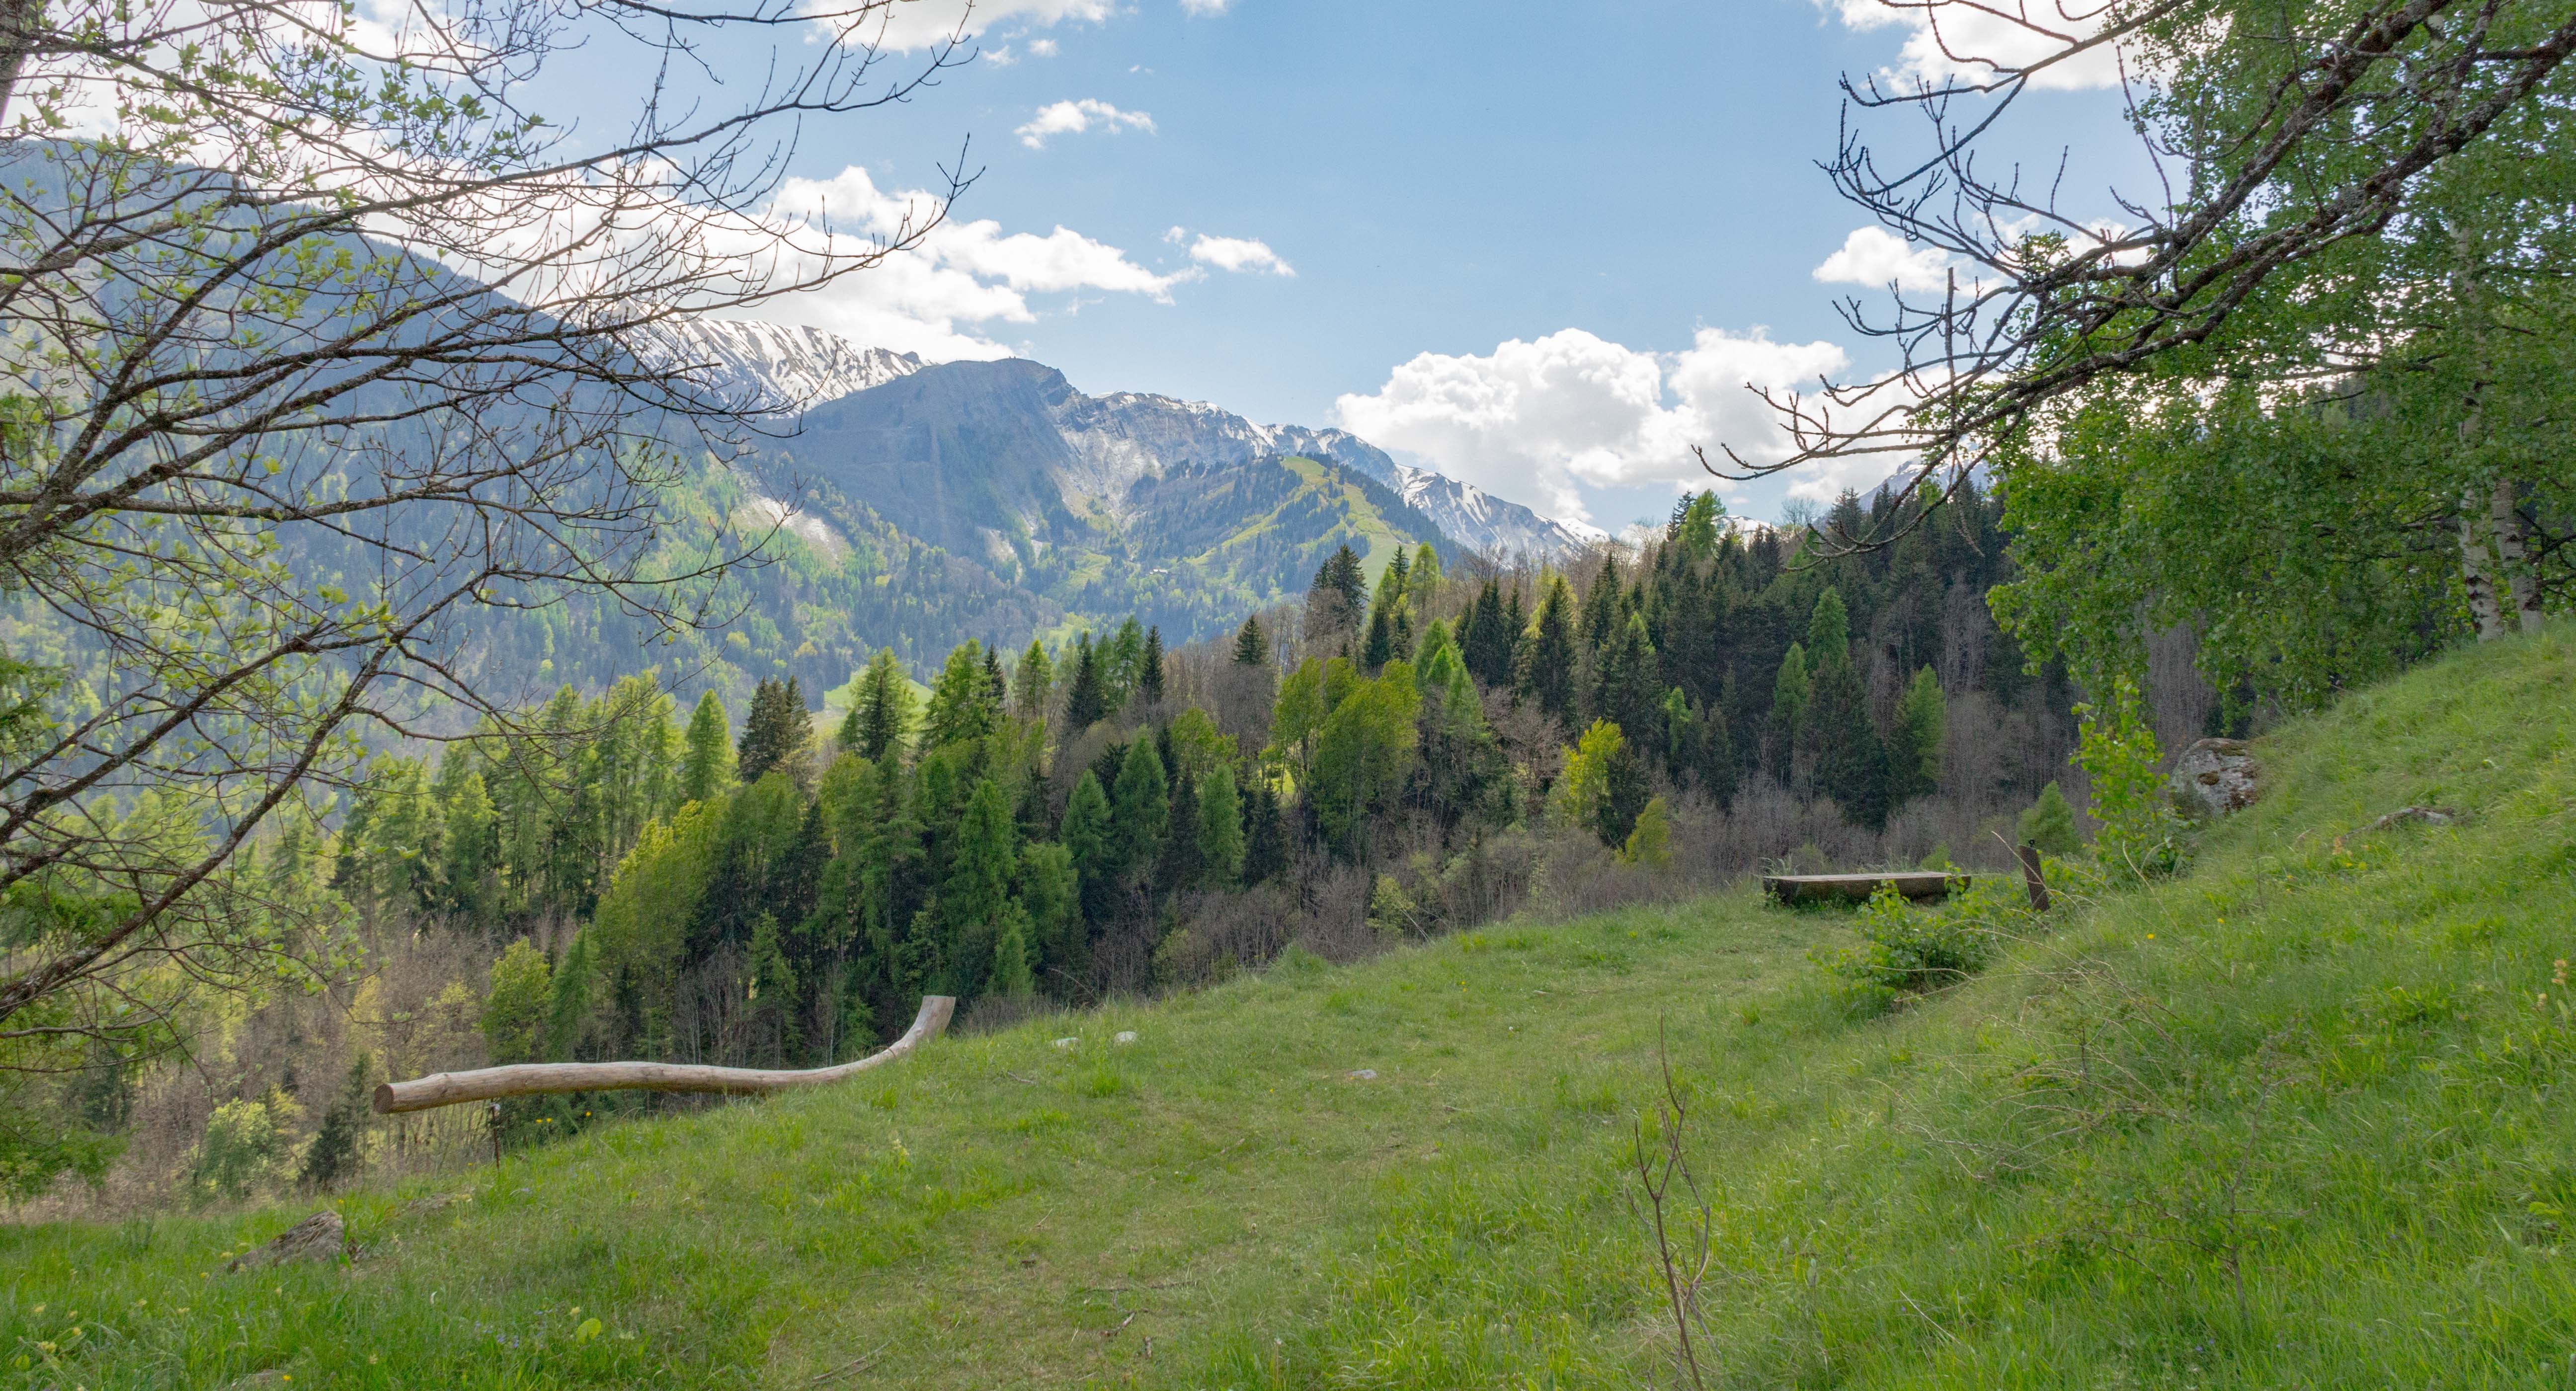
x: 1108, y: 443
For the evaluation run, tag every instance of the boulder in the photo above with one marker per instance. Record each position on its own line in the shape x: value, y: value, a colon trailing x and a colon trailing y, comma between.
x: 320, y: 1237
x: 2216, y: 776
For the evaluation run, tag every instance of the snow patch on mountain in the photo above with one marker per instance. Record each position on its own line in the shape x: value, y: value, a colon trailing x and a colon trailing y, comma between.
x: 777, y: 368
x: 1121, y: 437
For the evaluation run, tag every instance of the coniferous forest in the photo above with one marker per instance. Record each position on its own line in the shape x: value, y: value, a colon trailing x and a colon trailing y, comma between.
x: 1422, y: 749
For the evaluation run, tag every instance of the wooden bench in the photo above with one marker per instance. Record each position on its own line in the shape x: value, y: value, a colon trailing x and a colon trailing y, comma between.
x: 1856, y: 888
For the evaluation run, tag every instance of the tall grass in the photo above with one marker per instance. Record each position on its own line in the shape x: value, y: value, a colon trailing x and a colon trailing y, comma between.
x: 2298, y: 1117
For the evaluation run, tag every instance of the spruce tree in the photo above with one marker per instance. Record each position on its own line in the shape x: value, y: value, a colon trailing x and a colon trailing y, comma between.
x: 1142, y: 808
x: 1829, y: 630
x: 1149, y: 670
x: 1050, y: 889
x: 1220, y: 829
x: 997, y: 687
x: 1486, y: 643
x: 1379, y: 649
x: 1090, y: 840
x: 1087, y: 704
x: 1601, y: 606
x: 963, y: 705
x: 1122, y: 664
x: 1549, y: 676
x: 1032, y: 682
x: 881, y: 716
x: 1914, y: 743
x: 983, y: 859
x: 1011, y: 977
x: 1265, y: 837
x: 1251, y: 645
x: 1851, y: 762
x: 776, y: 734
x: 1626, y: 688
x: 706, y: 761
x: 1335, y: 601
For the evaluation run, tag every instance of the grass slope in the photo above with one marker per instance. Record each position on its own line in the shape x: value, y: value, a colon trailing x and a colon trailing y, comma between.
x: 2299, y: 1118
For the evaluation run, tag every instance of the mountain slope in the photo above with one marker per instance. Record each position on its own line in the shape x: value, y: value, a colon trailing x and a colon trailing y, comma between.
x: 2296, y: 1119
x: 792, y: 367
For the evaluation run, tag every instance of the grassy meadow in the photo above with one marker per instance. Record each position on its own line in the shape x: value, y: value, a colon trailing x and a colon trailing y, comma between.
x: 2300, y: 1116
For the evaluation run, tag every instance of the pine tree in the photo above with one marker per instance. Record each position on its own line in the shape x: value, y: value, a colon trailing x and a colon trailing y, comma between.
x: 1149, y: 670
x: 1089, y: 839
x: 1122, y: 664
x: 776, y: 733
x: 1549, y: 675
x: 983, y: 859
x: 1251, y: 645
x: 1790, y: 691
x: 1914, y: 743
x: 881, y: 716
x: 1486, y: 643
x: 706, y: 763
x: 1142, y: 806
x: 1422, y: 584
x: 963, y: 705
x: 1087, y: 704
x: 1379, y: 648
x: 1829, y: 631
x: 1626, y: 686
x: 1220, y: 829
x: 1338, y: 596
x: 1265, y: 837
x: 1601, y: 606
x: 1051, y: 890
x: 1032, y: 683
x: 997, y: 687
x: 1011, y: 978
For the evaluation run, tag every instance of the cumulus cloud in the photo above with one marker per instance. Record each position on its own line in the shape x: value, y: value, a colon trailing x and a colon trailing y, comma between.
x: 1543, y: 421
x: 1075, y: 117
x: 1944, y: 42
x: 920, y: 24
x: 1043, y: 48
x: 1235, y: 253
x: 942, y: 299
x: 1205, y: 7
x: 1876, y: 257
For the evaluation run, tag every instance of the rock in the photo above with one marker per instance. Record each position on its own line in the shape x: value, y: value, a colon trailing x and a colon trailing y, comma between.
x: 1364, y: 1074
x: 320, y: 1237
x: 1125, y: 1036
x: 1067, y: 1042
x: 2216, y: 776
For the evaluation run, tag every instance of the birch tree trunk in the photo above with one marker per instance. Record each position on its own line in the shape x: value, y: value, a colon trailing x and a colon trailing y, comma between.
x: 2513, y: 554
x: 2477, y: 573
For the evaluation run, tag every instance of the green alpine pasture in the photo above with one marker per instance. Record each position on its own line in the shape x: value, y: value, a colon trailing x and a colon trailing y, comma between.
x: 2299, y: 1117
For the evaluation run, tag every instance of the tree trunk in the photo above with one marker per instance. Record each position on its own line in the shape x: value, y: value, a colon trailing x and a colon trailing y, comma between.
x: 19, y: 22
x: 2522, y: 580
x: 2477, y: 574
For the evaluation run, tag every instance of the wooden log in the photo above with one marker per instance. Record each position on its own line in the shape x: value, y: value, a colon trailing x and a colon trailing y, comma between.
x: 539, y: 1079
x: 1855, y: 888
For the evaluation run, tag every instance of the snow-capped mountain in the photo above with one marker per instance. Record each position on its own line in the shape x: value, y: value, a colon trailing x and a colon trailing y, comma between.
x: 792, y: 368
x: 1113, y: 440
x: 1123, y: 436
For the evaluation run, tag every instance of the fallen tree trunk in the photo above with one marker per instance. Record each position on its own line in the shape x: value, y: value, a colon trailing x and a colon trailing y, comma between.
x: 539, y: 1079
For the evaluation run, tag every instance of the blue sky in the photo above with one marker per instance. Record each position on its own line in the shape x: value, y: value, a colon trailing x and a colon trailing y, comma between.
x: 1538, y: 247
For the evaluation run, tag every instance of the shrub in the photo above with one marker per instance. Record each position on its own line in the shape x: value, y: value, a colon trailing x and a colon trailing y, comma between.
x: 2140, y: 834
x: 1905, y: 949
x: 2048, y: 826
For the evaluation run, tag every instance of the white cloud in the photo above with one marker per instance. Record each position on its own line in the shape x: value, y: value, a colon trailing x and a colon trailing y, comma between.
x: 1543, y: 421
x: 1176, y: 235
x: 941, y: 299
x: 1000, y: 57
x: 1043, y: 48
x: 1944, y: 40
x: 1205, y: 7
x: 1234, y: 253
x: 1876, y: 257
x: 1075, y: 117
x: 918, y: 24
